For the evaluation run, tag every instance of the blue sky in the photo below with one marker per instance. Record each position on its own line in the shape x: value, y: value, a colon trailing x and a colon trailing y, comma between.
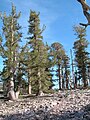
x: 59, y: 16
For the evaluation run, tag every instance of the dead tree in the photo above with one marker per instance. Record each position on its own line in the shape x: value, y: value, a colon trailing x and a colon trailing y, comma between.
x: 85, y: 8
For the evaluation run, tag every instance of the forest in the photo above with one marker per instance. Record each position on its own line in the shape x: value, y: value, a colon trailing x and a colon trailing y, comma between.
x: 35, y: 67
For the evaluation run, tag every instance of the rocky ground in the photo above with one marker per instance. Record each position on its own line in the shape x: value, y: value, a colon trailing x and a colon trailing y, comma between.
x: 65, y: 105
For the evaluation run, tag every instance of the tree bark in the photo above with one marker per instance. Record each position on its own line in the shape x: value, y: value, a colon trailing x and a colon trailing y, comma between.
x: 29, y: 89
x: 40, y: 92
x: 29, y: 84
x: 12, y: 95
x: 59, y: 77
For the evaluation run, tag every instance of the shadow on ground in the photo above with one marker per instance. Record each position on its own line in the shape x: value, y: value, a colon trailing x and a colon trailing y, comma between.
x: 83, y: 114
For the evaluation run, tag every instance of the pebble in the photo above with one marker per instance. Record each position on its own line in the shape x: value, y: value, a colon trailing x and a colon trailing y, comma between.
x: 64, y: 105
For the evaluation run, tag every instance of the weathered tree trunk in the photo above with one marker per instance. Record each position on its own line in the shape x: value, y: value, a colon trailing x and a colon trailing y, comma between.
x: 11, y: 94
x: 40, y: 89
x: 40, y: 92
x: 29, y: 89
x: 17, y: 94
x: 29, y: 84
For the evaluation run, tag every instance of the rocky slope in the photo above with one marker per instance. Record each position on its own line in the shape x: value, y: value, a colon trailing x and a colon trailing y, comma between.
x: 65, y: 105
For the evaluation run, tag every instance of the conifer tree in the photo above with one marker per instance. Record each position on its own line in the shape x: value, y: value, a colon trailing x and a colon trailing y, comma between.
x: 81, y: 54
x: 38, y: 56
x: 10, y: 45
x: 59, y: 60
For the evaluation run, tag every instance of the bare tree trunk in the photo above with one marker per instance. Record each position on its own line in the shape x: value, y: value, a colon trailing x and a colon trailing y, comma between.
x: 75, y: 84
x: 63, y: 83
x: 66, y: 75
x: 29, y: 83
x: 40, y: 85
x: 59, y: 77
x: 11, y: 94
x: 29, y: 88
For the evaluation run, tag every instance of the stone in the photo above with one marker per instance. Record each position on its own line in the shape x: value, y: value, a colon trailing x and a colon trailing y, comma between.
x: 76, y: 106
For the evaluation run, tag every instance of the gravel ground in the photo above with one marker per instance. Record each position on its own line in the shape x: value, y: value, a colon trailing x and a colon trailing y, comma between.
x: 65, y: 105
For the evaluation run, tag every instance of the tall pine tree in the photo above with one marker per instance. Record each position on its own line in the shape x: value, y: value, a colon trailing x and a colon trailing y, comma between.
x: 38, y: 56
x: 60, y: 60
x: 81, y: 54
x: 10, y: 45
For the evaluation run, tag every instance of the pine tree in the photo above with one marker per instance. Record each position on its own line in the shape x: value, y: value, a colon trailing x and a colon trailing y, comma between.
x: 10, y: 45
x: 81, y: 54
x: 38, y: 56
x: 59, y: 60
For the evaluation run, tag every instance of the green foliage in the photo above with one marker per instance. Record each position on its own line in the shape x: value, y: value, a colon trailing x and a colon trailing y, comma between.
x: 10, y: 45
x: 81, y: 54
x: 61, y: 61
x: 33, y: 64
x: 36, y: 57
